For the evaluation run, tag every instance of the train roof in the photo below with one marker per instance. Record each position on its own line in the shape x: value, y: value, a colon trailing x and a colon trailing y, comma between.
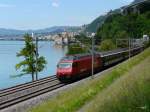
x: 101, y: 54
x: 80, y: 56
x: 75, y: 57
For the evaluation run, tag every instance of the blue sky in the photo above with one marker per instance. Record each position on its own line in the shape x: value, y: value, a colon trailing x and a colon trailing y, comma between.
x: 37, y: 14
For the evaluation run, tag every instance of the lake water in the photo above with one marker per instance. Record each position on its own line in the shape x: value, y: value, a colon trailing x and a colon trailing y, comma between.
x: 8, y: 60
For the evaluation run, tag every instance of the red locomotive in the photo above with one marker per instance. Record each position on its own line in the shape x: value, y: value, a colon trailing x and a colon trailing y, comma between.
x: 75, y: 66
x: 72, y: 67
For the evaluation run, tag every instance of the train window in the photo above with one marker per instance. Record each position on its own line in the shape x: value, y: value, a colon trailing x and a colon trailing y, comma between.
x: 64, y: 65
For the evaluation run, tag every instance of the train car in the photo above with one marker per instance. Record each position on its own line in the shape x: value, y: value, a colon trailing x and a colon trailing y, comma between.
x: 112, y: 58
x: 115, y: 57
x: 72, y: 67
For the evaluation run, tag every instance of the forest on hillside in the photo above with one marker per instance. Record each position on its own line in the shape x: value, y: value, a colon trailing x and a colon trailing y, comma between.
x: 125, y: 26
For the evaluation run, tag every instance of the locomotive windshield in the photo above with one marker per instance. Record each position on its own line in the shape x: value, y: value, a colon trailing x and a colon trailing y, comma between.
x: 64, y: 65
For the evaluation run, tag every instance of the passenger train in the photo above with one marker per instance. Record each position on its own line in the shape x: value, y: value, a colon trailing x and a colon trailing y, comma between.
x: 77, y: 66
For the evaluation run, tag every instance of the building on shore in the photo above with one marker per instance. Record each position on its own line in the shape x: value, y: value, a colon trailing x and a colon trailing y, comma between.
x: 64, y: 38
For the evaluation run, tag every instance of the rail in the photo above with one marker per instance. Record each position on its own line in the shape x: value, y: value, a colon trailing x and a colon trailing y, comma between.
x: 20, y: 93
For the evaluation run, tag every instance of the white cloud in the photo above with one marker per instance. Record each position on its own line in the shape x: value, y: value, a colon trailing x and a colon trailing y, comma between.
x: 6, y: 6
x: 55, y: 4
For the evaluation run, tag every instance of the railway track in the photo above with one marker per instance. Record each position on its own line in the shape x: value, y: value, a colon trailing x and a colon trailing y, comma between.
x: 22, y: 86
x: 20, y: 93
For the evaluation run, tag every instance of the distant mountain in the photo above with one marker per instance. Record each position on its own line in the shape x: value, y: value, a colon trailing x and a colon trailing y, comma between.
x: 92, y: 27
x: 4, y: 31
x: 55, y: 29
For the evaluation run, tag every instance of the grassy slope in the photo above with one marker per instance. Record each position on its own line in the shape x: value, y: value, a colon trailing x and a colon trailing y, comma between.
x: 75, y: 98
x: 130, y: 93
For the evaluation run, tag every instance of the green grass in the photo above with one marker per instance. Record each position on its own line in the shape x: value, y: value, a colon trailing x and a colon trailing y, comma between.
x: 73, y: 99
x: 130, y: 93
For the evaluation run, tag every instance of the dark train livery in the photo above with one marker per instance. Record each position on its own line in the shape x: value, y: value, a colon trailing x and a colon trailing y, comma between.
x: 75, y: 66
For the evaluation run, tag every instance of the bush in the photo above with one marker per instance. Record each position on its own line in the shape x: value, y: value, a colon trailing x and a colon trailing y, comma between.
x: 107, y: 45
x: 75, y: 49
x: 147, y: 44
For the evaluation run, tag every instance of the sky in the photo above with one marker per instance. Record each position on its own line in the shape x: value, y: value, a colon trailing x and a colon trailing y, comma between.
x: 38, y: 14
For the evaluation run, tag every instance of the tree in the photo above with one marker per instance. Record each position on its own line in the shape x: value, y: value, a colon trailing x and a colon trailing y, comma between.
x: 29, y: 64
x: 107, y: 45
x: 75, y: 49
x: 83, y: 39
x: 122, y: 39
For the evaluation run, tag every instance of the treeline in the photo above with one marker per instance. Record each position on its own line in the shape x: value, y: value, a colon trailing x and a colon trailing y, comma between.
x: 125, y: 26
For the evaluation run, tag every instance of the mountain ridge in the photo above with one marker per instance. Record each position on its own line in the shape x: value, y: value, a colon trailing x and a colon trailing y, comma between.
x: 5, y: 31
